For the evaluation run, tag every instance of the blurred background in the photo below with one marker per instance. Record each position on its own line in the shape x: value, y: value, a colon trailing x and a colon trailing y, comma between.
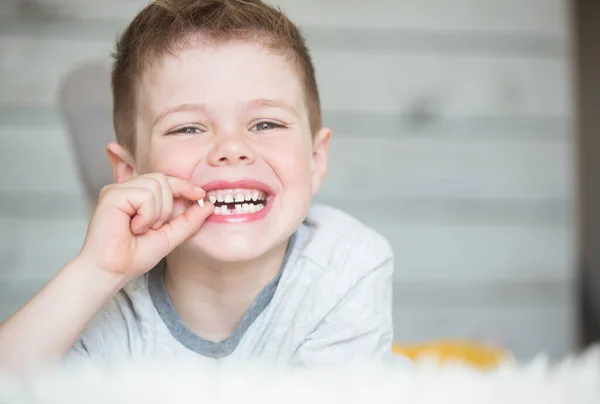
x: 455, y: 135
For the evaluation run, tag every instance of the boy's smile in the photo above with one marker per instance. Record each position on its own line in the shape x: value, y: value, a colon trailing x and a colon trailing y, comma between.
x: 239, y: 201
x: 232, y: 118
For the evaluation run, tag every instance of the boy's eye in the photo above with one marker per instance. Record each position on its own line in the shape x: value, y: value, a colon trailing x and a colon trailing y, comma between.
x: 186, y: 130
x: 266, y: 126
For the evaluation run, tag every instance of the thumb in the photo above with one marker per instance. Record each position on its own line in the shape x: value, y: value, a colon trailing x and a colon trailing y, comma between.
x: 179, y: 229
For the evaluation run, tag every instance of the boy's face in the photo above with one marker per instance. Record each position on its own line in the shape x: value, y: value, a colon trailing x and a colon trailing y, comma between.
x: 232, y: 119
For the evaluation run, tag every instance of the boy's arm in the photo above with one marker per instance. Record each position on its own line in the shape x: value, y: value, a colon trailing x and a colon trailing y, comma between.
x: 133, y: 227
x: 359, y: 327
x: 47, y: 326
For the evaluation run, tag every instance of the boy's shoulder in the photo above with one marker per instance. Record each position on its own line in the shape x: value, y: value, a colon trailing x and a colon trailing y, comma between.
x: 337, y: 238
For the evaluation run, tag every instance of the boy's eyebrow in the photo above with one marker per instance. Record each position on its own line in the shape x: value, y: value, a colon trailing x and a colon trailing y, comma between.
x: 273, y: 103
x: 179, y: 108
x: 254, y: 104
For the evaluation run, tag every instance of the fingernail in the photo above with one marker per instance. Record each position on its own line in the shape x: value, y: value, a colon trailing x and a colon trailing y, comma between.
x: 201, y: 202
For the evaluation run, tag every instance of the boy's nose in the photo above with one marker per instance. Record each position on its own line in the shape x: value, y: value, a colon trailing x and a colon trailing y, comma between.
x: 231, y: 151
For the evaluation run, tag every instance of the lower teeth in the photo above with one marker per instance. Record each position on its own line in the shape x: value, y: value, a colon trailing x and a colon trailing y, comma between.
x: 239, y: 209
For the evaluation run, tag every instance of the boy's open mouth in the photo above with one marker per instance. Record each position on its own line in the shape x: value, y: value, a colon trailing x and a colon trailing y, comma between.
x: 237, y: 201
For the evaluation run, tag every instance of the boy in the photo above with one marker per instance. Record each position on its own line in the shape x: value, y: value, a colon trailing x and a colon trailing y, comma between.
x: 206, y: 247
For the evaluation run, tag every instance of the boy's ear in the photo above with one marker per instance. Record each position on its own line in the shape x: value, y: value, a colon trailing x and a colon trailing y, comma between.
x: 122, y: 162
x: 320, y: 158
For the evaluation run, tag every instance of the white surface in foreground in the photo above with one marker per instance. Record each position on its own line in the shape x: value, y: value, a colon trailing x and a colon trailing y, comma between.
x: 573, y: 381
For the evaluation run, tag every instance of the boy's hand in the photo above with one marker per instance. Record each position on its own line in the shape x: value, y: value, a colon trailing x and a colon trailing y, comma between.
x: 132, y: 228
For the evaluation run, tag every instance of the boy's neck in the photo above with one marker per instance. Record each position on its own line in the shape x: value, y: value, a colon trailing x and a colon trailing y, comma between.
x: 212, y: 299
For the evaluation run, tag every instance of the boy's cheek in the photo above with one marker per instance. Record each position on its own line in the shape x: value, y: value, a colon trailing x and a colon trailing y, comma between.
x: 177, y: 162
x: 178, y: 169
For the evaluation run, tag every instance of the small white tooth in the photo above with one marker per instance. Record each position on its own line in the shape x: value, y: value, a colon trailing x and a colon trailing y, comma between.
x: 228, y: 199
x: 220, y: 198
x: 255, y: 196
x: 248, y: 197
x: 201, y: 202
x: 262, y: 196
x: 245, y: 207
x: 212, y: 198
x: 260, y: 207
x: 238, y: 207
x: 216, y: 210
x: 252, y: 207
x: 239, y: 198
x: 224, y: 209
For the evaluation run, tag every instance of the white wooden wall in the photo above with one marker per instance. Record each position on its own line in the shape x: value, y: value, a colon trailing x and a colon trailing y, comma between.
x: 452, y: 125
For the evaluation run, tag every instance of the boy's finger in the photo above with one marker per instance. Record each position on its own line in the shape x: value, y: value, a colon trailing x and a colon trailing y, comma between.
x: 185, y: 225
x: 185, y: 189
x: 143, y: 202
x: 156, y: 184
x: 166, y: 199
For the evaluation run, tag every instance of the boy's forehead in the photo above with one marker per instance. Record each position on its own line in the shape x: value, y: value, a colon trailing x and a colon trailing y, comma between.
x: 217, y: 75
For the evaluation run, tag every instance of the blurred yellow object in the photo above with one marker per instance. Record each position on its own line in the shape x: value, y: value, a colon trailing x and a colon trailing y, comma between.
x: 477, y: 355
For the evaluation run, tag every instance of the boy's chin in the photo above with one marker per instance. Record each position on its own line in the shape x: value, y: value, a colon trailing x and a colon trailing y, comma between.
x: 230, y: 249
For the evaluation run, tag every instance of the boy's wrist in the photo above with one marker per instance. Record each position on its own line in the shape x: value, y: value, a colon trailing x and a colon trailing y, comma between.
x: 90, y: 273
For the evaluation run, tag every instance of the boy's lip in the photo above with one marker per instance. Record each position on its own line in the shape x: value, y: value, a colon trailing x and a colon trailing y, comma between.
x: 244, y: 184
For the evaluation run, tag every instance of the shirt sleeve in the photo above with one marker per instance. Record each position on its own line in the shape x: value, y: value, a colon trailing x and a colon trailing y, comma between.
x: 106, y: 337
x: 359, y: 327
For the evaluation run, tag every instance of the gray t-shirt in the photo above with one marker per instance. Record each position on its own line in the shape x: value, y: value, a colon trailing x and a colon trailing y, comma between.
x: 331, y: 303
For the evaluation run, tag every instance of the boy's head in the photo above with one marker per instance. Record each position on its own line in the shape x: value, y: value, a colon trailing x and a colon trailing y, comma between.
x: 222, y: 93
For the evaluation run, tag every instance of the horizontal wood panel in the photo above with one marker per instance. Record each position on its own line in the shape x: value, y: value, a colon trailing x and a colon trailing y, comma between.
x: 438, y: 15
x: 467, y: 85
x: 32, y: 69
x: 34, y: 160
x: 35, y: 247
x: 470, y: 293
x: 448, y: 253
x: 379, y: 168
x: 321, y: 38
x: 405, y: 84
x: 39, y: 161
x: 525, y: 330
x: 531, y: 16
x: 451, y: 212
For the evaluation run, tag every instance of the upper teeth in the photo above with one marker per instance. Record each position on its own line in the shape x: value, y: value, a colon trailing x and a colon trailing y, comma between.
x: 236, y: 195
